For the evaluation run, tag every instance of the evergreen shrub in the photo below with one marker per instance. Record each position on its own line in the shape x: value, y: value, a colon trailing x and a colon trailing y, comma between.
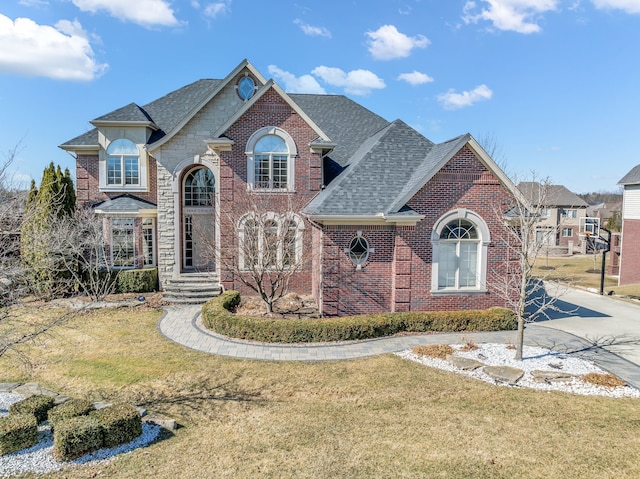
x: 17, y: 431
x: 137, y: 280
x: 37, y: 405
x: 69, y: 409
x: 217, y: 315
x: 77, y: 436
x: 121, y: 423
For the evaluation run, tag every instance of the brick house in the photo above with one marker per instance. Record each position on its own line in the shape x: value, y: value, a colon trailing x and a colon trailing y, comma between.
x: 629, y: 260
x: 389, y: 220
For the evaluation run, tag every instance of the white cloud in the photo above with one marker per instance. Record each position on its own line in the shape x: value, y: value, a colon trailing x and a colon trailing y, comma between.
x: 387, y: 43
x: 293, y: 84
x: 311, y: 30
x: 33, y: 3
x: 629, y: 6
x: 514, y: 15
x: 355, y: 82
x: 415, y: 78
x: 454, y: 101
x: 62, y: 52
x: 143, y: 12
x: 212, y: 10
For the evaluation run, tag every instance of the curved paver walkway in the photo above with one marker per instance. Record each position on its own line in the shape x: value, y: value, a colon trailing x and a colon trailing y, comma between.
x: 183, y: 325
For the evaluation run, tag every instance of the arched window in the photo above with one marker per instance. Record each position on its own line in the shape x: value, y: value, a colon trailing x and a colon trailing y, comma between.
x: 459, y: 240
x: 270, y: 242
x: 123, y: 163
x: 199, y: 188
x: 270, y: 166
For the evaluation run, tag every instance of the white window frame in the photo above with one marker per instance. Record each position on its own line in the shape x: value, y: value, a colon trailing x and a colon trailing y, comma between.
x: 126, y: 225
x: 281, y: 221
x: 103, y: 170
x: 570, y: 213
x: 251, y: 160
x: 483, y: 241
x: 567, y: 232
x: 148, y: 225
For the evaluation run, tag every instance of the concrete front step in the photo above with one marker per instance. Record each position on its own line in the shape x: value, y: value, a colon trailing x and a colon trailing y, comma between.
x: 195, y: 288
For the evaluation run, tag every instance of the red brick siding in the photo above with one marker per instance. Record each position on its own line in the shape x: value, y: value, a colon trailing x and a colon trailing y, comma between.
x: 630, y: 253
x: 270, y: 110
x: 87, y: 182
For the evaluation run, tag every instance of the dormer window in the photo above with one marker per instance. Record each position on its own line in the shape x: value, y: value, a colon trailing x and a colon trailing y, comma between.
x: 123, y: 163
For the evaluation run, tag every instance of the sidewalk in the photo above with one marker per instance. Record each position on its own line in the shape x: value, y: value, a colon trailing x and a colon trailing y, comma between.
x: 183, y: 325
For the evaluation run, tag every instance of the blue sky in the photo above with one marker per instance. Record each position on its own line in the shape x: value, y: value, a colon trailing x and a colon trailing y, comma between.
x: 554, y: 83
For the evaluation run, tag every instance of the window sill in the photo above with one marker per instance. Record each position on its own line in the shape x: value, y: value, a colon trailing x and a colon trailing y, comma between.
x: 460, y: 292
x: 271, y: 190
x: 117, y: 188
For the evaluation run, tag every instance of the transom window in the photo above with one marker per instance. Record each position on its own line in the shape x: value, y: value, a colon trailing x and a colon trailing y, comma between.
x: 199, y: 188
x: 123, y: 163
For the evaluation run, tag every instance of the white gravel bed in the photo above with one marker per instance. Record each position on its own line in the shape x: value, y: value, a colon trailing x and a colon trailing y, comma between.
x: 39, y: 458
x: 533, y: 358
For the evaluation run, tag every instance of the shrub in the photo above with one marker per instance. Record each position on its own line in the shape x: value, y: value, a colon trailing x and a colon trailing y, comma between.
x: 37, y: 405
x: 72, y: 408
x: 17, y: 431
x: 600, y: 379
x: 121, y: 423
x: 440, y: 351
x: 217, y: 315
x: 137, y: 280
x: 76, y: 436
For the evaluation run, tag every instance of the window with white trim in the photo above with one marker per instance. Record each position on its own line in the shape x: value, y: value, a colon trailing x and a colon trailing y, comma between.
x: 569, y: 213
x: 122, y: 243
x: 567, y: 232
x: 123, y: 163
x: 270, y: 160
x: 460, y: 241
x: 270, y: 241
x: 148, y: 241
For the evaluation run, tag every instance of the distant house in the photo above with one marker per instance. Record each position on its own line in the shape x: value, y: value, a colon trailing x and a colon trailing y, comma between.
x: 564, y: 214
x: 630, y: 247
x: 391, y: 220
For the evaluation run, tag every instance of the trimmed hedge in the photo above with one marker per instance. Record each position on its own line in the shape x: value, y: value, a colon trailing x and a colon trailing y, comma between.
x: 121, y: 423
x: 137, y: 280
x: 69, y: 409
x: 217, y: 315
x: 37, y: 405
x: 17, y: 431
x: 77, y: 436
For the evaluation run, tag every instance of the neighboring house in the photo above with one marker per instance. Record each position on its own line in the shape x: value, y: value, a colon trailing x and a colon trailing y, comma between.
x: 630, y: 243
x: 564, y: 214
x: 389, y: 220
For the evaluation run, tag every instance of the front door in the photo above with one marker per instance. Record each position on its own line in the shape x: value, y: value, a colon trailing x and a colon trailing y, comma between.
x: 198, y: 221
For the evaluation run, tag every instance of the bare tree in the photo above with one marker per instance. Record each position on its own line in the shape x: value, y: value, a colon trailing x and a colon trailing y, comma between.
x: 79, y: 245
x: 263, y: 248
x: 525, y: 293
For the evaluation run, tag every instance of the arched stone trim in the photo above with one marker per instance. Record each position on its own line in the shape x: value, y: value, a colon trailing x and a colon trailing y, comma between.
x: 484, y: 239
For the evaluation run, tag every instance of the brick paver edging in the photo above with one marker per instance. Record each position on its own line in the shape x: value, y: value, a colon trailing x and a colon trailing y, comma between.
x: 183, y: 325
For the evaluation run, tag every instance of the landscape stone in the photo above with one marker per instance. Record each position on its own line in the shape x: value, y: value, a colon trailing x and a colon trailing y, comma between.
x: 33, y: 389
x: 8, y: 387
x: 161, y: 421
x: 550, y: 376
x: 504, y: 374
x: 466, y: 364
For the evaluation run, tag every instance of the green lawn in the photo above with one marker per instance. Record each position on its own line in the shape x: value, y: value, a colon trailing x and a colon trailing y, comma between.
x: 375, y: 417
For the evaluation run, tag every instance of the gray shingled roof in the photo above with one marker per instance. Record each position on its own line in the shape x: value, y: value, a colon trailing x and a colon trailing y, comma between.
x: 166, y: 112
x: 557, y: 195
x: 346, y: 122
x: 378, y: 170
x: 124, y: 204
x: 631, y: 178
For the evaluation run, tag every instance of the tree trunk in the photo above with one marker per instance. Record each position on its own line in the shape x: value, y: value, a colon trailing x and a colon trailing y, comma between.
x: 520, y: 340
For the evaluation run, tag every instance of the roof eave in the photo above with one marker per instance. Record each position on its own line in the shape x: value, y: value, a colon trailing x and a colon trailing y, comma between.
x: 79, y: 148
x: 124, y: 124
x: 377, y: 219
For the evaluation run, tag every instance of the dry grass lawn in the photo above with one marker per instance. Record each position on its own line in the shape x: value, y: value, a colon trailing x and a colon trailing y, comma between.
x: 376, y: 417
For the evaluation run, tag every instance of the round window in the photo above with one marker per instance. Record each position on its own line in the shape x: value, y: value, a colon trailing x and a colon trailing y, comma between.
x: 246, y: 88
x: 359, y: 250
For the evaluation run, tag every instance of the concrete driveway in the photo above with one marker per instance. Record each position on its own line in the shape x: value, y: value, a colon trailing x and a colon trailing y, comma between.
x: 612, y: 324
